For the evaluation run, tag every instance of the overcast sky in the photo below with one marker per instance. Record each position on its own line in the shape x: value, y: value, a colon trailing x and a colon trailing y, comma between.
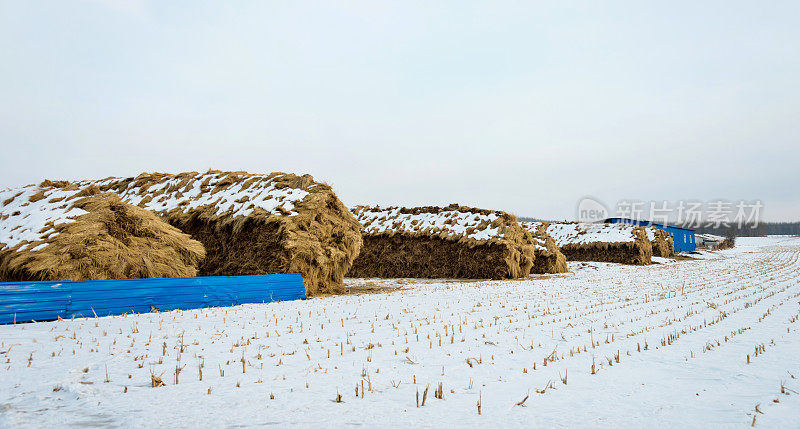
x: 521, y: 106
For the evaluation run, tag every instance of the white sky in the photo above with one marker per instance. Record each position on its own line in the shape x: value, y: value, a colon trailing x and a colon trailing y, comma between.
x: 520, y: 106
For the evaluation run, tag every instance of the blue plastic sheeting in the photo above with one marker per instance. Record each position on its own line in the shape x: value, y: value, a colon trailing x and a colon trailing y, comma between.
x: 49, y: 300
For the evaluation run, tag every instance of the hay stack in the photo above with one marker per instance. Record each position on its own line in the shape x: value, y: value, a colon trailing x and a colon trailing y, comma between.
x: 57, y: 231
x: 253, y: 223
x: 661, y: 241
x: 609, y: 242
x: 442, y: 242
x: 549, y: 259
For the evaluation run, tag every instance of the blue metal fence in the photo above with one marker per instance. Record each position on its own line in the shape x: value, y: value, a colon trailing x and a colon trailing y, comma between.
x: 49, y: 300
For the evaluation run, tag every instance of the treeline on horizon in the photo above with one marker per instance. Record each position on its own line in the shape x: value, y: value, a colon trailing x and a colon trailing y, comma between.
x: 745, y: 230
x: 749, y: 230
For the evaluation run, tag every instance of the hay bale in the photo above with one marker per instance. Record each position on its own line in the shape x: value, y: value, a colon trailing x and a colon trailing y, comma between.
x: 442, y: 242
x: 661, y: 241
x: 549, y: 259
x: 603, y: 242
x: 253, y: 223
x: 58, y: 231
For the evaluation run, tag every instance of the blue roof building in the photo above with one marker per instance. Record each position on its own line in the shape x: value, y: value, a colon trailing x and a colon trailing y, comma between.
x: 683, y: 238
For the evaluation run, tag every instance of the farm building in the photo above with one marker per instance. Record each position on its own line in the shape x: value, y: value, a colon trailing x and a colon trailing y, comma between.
x: 252, y: 223
x: 713, y: 242
x: 58, y: 231
x: 683, y: 238
x: 442, y: 242
x: 707, y: 241
x: 620, y: 243
x: 549, y: 259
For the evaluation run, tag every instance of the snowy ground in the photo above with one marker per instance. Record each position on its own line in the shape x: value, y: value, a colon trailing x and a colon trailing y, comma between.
x: 670, y: 344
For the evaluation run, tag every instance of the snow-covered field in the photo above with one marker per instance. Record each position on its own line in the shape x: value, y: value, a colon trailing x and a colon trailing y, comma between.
x: 689, y: 343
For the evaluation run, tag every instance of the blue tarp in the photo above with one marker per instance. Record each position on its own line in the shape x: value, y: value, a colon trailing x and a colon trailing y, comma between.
x: 49, y: 300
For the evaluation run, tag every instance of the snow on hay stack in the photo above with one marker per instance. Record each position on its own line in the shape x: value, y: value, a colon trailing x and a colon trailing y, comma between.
x: 57, y: 231
x: 442, y: 242
x: 549, y: 259
x: 602, y: 242
x: 254, y: 223
x: 661, y: 241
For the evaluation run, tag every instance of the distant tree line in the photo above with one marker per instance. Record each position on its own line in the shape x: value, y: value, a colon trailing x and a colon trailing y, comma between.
x: 750, y: 230
x: 746, y: 230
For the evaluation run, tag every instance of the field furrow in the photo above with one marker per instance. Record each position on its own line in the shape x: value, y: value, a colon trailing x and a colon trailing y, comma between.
x: 705, y: 342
